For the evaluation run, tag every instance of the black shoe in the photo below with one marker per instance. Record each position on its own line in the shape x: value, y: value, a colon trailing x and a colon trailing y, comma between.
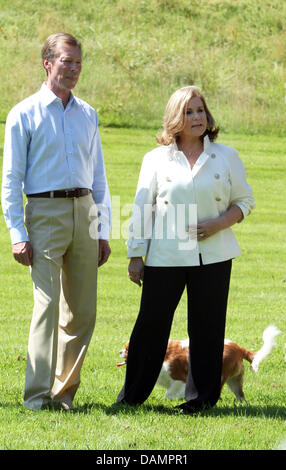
x: 186, y: 409
x: 125, y: 403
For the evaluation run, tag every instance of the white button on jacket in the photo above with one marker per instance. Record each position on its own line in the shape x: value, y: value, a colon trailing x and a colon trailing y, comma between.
x: 171, y: 196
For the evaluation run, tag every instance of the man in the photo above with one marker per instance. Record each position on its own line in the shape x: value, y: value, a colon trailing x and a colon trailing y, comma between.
x: 53, y: 153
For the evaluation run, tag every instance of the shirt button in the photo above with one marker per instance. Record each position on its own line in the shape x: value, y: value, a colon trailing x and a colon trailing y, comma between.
x: 166, y: 202
x: 218, y: 199
x: 213, y: 155
x: 217, y: 177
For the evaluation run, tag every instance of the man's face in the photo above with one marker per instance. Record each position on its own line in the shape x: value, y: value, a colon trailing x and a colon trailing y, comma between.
x: 65, y: 68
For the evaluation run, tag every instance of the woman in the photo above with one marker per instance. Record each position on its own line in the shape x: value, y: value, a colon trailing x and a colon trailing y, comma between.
x: 190, y: 192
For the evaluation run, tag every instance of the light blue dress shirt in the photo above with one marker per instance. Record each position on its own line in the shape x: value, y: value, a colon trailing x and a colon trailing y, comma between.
x: 49, y: 147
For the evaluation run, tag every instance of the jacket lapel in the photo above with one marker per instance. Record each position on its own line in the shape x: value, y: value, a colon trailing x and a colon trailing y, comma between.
x: 199, y: 163
x: 203, y: 158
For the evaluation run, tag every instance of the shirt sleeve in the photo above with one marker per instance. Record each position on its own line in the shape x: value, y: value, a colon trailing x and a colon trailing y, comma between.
x: 100, y: 190
x: 140, y: 230
x: 241, y: 191
x: 14, y: 169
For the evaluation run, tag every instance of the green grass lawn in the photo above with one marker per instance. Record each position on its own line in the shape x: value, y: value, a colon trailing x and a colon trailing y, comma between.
x: 257, y: 299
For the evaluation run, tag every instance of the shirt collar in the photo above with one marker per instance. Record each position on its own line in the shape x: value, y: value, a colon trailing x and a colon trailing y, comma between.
x: 207, y: 143
x: 174, y: 148
x: 48, y: 96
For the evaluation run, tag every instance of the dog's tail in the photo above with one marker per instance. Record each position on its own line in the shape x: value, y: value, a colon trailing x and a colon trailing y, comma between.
x: 269, y: 343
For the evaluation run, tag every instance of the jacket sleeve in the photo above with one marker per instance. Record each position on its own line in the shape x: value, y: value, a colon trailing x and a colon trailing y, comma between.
x: 140, y: 229
x: 241, y: 191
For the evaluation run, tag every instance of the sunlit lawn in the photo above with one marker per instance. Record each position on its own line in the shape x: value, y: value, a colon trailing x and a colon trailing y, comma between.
x: 257, y: 299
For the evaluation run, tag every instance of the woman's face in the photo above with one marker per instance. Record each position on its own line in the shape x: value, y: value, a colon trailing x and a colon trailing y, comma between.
x: 196, y: 119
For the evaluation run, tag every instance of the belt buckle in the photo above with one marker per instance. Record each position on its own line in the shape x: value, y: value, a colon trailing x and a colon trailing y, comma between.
x: 73, y: 192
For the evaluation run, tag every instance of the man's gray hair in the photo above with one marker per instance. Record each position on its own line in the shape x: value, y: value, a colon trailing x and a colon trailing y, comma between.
x: 49, y: 49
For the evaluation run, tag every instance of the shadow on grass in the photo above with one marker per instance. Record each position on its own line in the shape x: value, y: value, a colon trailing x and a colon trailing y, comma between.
x: 267, y: 411
x: 244, y: 410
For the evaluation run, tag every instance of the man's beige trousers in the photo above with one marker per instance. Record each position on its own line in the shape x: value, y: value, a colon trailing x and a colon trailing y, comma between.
x: 64, y: 273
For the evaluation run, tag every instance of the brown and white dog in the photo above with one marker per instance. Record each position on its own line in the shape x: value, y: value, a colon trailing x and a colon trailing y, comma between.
x: 173, y: 375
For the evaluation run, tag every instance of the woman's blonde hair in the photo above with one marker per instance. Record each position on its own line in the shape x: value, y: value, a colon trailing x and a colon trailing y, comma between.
x: 175, y: 116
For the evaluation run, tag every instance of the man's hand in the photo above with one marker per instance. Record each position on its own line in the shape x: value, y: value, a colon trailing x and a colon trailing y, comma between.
x: 136, y: 270
x: 103, y: 252
x: 23, y: 253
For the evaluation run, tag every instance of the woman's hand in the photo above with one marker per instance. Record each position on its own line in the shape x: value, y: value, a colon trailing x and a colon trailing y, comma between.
x: 209, y: 227
x: 136, y: 270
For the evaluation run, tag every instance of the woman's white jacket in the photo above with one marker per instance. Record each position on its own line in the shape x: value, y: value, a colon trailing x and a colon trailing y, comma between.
x: 171, y: 196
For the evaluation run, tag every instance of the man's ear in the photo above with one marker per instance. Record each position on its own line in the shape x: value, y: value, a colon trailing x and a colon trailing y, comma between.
x: 47, y: 66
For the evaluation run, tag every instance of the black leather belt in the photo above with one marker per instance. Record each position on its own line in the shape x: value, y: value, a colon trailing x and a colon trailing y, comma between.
x: 69, y: 193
